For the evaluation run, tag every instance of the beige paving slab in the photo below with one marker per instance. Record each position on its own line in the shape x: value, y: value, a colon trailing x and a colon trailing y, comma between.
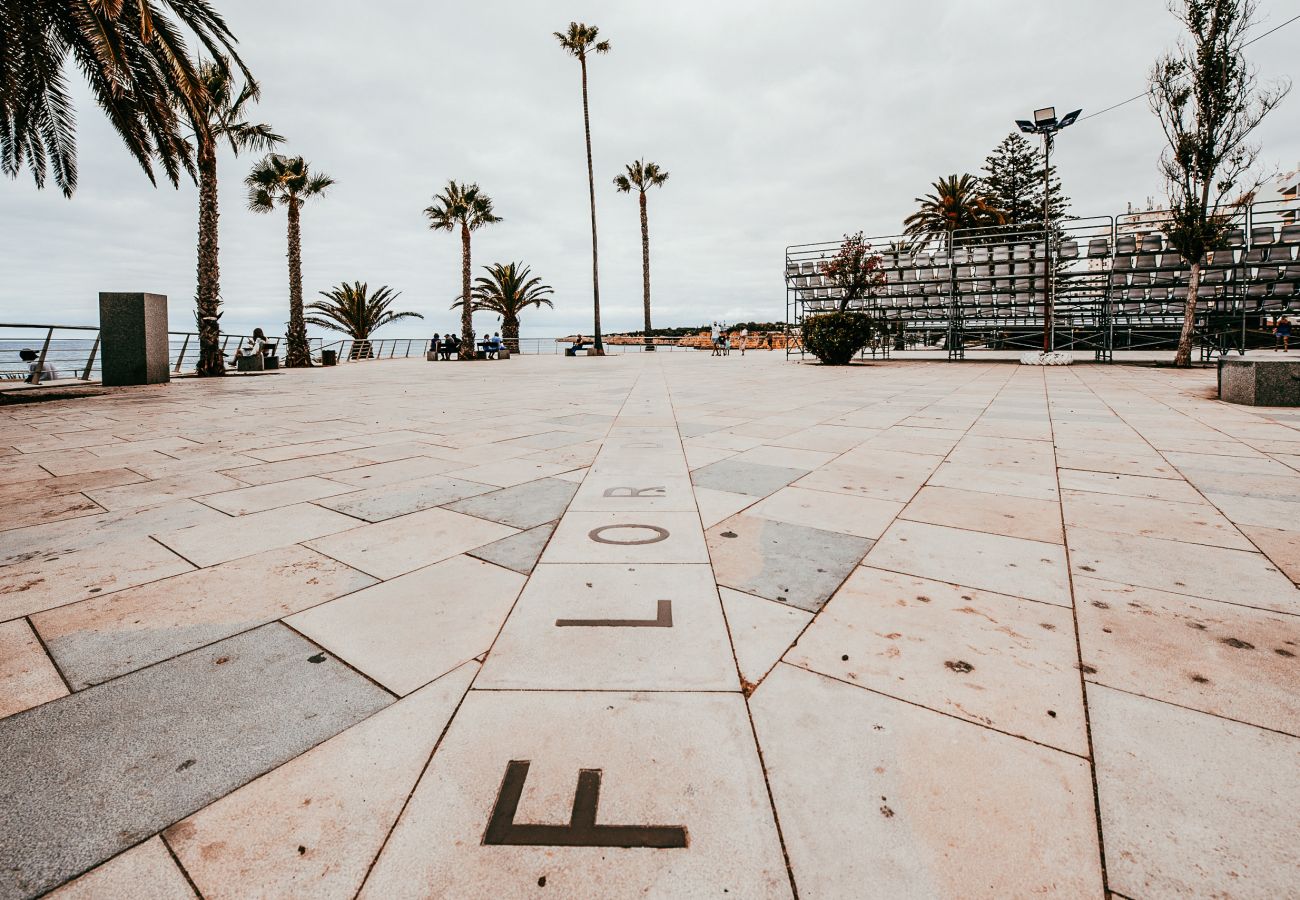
x: 1282, y: 547
x: 1167, y: 489
x: 389, y: 501
x: 627, y: 537
x: 14, y: 494
x: 986, y: 480
x: 714, y: 506
x: 509, y: 473
x: 50, y: 508
x: 146, y: 870
x: 1145, y: 463
x: 880, y: 484
x: 1005, y: 514
x: 665, y: 759
x: 409, y: 542
x: 999, y: 661
x: 1279, y: 513
x: 1031, y: 569
x: 209, y: 544
x: 1193, y: 523
x: 587, y: 627
x: 161, y: 490
x: 879, y: 798
x: 27, y: 677
x: 827, y: 438
x: 1214, y: 573
x: 312, y: 827
x: 866, y: 517
x: 295, y: 468
x: 394, y: 472
x: 103, y: 637
x: 785, y: 457
x: 1004, y: 453
x: 761, y: 631
x: 1219, y: 658
x: 306, y: 448
x: 698, y: 457
x: 242, y: 501
x: 40, y: 581
x: 1193, y: 805
x: 54, y: 540
x: 409, y: 630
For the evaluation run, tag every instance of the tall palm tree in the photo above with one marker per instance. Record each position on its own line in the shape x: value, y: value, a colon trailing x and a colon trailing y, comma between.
x: 289, y: 182
x: 642, y: 176
x: 134, y: 58
x: 579, y: 41
x: 353, y: 310
x: 225, y: 123
x: 466, y: 206
x: 508, y: 290
x: 956, y: 203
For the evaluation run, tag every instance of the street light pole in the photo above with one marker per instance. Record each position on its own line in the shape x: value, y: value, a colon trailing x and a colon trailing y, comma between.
x: 1046, y: 124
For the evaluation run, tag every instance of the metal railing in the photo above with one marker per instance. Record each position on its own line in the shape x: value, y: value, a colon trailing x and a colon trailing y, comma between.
x: 400, y: 348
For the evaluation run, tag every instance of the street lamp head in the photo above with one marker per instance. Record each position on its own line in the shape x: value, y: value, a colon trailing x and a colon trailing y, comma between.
x: 1045, y: 116
x: 1069, y: 118
x: 1026, y: 126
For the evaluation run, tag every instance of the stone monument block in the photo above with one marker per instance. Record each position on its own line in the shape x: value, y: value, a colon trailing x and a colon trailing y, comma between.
x: 1260, y: 382
x: 133, y: 339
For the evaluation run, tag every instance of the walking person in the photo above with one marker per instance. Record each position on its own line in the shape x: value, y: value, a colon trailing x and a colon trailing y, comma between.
x: 1282, y: 334
x: 714, y: 334
x: 744, y: 340
x: 726, y: 343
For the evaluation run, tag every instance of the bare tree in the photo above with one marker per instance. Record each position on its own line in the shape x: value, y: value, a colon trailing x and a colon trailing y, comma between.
x: 1208, y: 101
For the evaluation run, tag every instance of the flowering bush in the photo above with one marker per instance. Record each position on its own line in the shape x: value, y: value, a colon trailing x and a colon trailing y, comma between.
x: 855, y: 269
x: 836, y: 337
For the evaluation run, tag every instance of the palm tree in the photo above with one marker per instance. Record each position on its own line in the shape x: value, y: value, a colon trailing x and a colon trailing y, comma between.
x: 225, y: 123
x: 289, y: 182
x: 507, y: 291
x: 642, y: 175
x: 133, y: 56
x: 579, y: 41
x: 466, y: 206
x: 353, y: 310
x: 957, y: 203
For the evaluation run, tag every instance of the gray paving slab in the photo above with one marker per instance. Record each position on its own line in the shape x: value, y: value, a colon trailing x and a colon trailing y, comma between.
x: 522, y: 506
x: 755, y: 479
x: 519, y: 552
x: 87, y: 776
x: 390, y: 501
x: 788, y: 563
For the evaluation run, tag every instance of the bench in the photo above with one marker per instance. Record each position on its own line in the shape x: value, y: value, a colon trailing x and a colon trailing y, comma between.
x: 574, y: 351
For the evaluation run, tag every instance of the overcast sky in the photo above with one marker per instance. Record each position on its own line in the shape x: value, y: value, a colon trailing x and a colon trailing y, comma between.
x: 779, y: 122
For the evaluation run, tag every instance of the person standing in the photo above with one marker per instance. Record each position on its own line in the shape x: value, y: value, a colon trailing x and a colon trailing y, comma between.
x: 1282, y: 334
x: 744, y: 340
x: 714, y: 333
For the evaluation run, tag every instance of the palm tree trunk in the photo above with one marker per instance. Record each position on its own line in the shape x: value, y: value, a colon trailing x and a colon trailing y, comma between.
x: 208, y: 295
x: 299, y: 354
x: 466, y: 310
x: 645, y: 270
x: 1183, y: 357
x: 510, y: 333
x: 599, y: 344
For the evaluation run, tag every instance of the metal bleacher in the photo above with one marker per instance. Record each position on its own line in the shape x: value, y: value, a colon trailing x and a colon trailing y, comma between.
x: 1118, y: 285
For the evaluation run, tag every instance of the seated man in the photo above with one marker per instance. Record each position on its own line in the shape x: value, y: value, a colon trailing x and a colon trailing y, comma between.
x: 496, y: 345
x: 450, y: 344
x: 485, y: 347
x: 578, y: 344
x: 38, y: 371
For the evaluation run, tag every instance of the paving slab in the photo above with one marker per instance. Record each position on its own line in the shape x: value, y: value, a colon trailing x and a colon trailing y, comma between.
x: 161, y: 490
x: 522, y: 506
x: 1220, y: 658
x: 1034, y: 570
x: 218, y: 542
x: 242, y: 501
x: 879, y: 798
x: 411, y: 629
x: 27, y: 677
x: 627, y: 537
x: 1193, y: 523
x: 150, y: 748
x: 864, y: 517
x: 788, y: 563
x: 1129, y: 486
x: 389, y: 501
x: 312, y: 827
x: 1009, y: 515
x: 397, y: 546
x: 146, y: 870
x: 1000, y: 661
x: 519, y: 552
x: 103, y: 637
x: 619, y: 493
x: 761, y: 631
x: 684, y: 763
x: 1193, y: 805
x: 614, y: 627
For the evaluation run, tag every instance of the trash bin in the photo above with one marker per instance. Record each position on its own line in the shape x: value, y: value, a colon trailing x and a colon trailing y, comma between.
x: 329, y: 357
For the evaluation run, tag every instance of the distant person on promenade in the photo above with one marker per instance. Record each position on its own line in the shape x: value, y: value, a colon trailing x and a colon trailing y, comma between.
x: 726, y: 343
x: 435, y: 345
x: 450, y: 345
x: 1282, y: 334
x: 36, y: 369
x: 578, y: 344
x: 744, y: 340
x: 255, y: 346
x: 715, y: 333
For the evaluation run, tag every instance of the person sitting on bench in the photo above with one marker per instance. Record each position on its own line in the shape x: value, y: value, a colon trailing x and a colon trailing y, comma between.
x: 435, y: 345
x: 37, y: 370
x: 450, y: 344
x: 496, y: 344
x: 578, y: 344
x: 485, y: 347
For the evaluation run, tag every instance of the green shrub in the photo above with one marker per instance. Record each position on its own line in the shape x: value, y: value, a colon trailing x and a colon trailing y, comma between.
x: 836, y: 337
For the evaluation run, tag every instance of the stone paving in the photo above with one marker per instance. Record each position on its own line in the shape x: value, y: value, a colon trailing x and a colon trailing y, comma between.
x: 667, y: 625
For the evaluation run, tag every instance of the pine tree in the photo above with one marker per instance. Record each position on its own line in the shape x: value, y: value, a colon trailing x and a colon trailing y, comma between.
x: 1014, y: 180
